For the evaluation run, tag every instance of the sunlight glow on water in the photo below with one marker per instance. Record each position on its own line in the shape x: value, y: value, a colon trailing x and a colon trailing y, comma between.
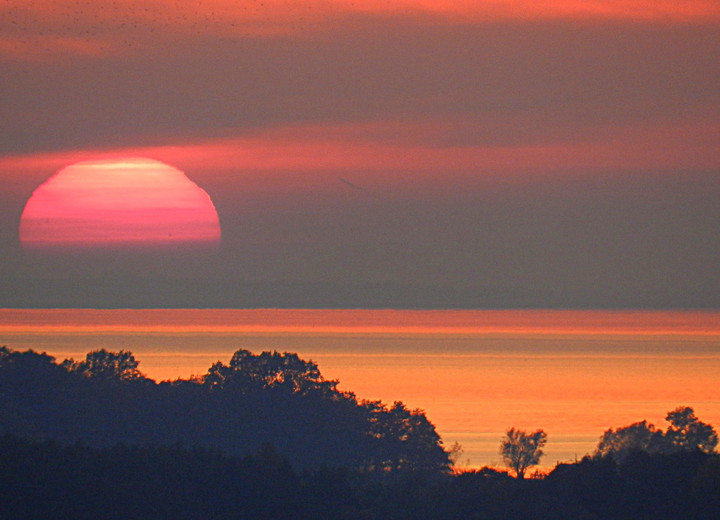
x: 475, y: 373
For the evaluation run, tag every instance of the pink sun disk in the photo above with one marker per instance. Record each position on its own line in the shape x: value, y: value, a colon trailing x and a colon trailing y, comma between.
x: 119, y: 203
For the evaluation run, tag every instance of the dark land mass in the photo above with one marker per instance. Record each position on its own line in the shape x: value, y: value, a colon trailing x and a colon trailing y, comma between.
x: 267, y: 437
x: 270, y: 398
x: 44, y: 480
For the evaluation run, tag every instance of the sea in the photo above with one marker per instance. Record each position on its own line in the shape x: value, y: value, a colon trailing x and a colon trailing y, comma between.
x: 475, y: 373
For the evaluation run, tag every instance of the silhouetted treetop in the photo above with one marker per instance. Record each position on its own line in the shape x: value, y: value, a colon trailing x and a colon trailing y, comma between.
x: 38, y: 369
x: 685, y: 433
x: 249, y: 372
x: 641, y: 436
x: 255, y: 399
x: 26, y: 360
x: 407, y: 440
x: 521, y: 450
x: 107, y: 366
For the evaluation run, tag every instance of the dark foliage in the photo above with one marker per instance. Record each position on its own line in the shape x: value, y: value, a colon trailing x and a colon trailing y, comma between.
x: 685, y: 433
x: 266, y: 437
x: 270, y: 398
x: 645, y: 485
x: 521, y: 450
x: 45, y: 480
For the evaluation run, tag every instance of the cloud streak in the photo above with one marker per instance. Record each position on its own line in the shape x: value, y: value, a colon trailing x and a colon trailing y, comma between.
x: 508, y: 82
x: 517, y: 153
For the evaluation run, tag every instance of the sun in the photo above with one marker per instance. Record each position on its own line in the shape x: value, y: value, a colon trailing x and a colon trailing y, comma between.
x: 131, y: 202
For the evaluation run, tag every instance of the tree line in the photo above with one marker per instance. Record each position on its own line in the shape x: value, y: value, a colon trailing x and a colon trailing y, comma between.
x: 256, y: 399
x: 266, y: 436
x: 521, y: 450
x: 48, y: 480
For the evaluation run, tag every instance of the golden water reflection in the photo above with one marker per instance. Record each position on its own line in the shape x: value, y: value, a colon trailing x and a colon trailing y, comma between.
x: 574, y: 380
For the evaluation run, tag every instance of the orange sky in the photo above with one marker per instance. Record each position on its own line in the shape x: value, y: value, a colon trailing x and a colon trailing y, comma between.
x: 572, y: 373
x: 353, y: 321
x: 407, y: 154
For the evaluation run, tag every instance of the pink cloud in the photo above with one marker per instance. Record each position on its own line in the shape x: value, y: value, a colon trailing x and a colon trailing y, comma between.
x: 49, y: 29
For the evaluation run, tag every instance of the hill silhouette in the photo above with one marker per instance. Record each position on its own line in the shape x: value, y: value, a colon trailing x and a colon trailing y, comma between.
x: 269, y: 398
x: 267, y: 437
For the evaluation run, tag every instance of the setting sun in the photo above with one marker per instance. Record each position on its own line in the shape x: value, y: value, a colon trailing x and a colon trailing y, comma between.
x: 126, y: 202
x: 324, y: 259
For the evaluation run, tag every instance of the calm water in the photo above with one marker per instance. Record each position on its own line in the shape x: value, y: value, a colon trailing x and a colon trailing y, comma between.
x: 475, y: 373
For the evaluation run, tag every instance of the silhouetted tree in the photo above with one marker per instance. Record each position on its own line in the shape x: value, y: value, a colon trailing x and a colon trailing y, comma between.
x: 248, y: 372
x: 406, y: 440
x: 455, y: 453
x: 25, y: 362
x: 687, y: 432
x: 521, y: 450
x: 620, y: 442
x: 107, y: 366
x: 266, y: 398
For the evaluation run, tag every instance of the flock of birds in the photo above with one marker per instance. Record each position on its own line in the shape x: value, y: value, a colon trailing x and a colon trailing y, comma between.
x: 56, y: 26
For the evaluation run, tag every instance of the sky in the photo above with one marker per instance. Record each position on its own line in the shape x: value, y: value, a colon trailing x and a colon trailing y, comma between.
x: 404, y: 154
